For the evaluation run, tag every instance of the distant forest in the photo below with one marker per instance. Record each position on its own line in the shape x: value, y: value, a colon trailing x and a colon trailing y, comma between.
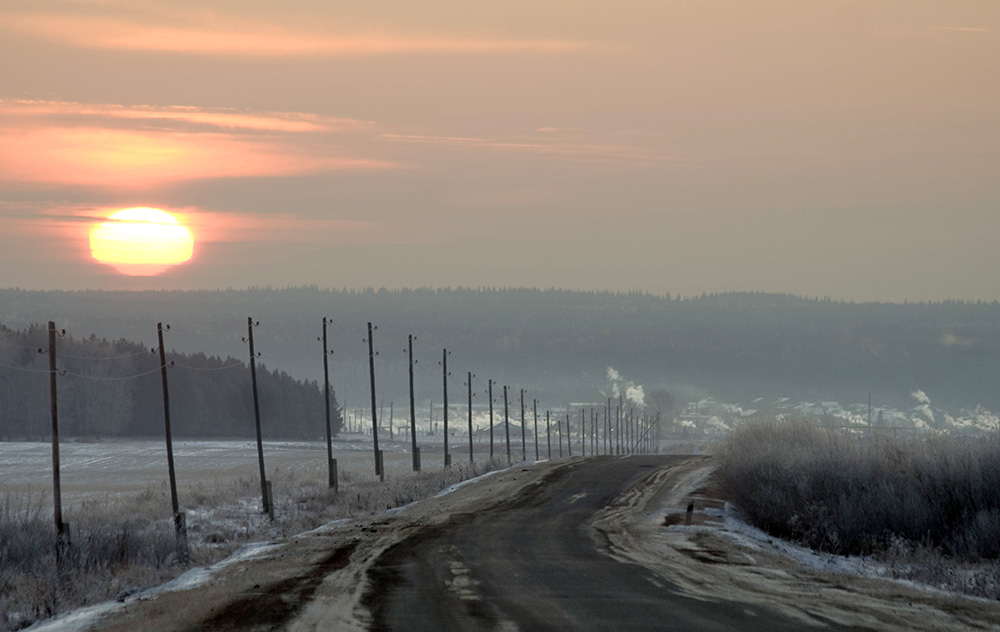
x: 559, y: 344
x: 114, y: 388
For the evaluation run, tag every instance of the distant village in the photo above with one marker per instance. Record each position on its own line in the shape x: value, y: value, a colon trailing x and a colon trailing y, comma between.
x: 709, y: 417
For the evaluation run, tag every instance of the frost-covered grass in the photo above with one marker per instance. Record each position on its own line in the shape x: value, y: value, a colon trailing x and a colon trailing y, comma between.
x: 122, y: 543
x: 929, y: 506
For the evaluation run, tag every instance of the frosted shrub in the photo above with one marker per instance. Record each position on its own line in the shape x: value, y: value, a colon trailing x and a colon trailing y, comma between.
x: 850, y: 493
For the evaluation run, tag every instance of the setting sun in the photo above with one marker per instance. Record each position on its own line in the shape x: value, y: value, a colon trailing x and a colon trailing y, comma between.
x: 141, y: 242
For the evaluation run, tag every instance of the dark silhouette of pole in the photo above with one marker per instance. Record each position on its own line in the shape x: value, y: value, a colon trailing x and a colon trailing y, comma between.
x: 444, y: 379
x: 506, y: 422
x: 607, y: 428
x: 180, y: 526
x: 569, y: 437
x: 524, y: 449
x: 331, y: 471
x: 559, y: 428
x: 413, y: 415
x: 490, y: 395
x: 534, y: 411
x: 371, y: 379
x: 471, y: 459
x: 593, y: 433
x: 61, y: 535
x: 268, y: 509
x: 548, y: 433
x: 583, y: 432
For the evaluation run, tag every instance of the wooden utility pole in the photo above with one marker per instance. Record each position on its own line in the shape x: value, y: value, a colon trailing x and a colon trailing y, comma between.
x: 593, y: 433
x: 62, y: 529
x: 583, y: 432
x: 413, y: 416
x: 265, y: 496
x: 607, y: 428
x: 559, y: 428
x: 490, y: 395
x: 444, y: 378
x: 506, y: 422
x: 180, y: 526
x: 524, y: 449
x: 569, y: 436
x: 471, y: 458
x: 548, y: 433
x: 371, y: 380
x: 534, y: 412
x: 331, y: 469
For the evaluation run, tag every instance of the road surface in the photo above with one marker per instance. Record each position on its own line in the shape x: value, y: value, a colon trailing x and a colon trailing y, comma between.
x: 532, y: 563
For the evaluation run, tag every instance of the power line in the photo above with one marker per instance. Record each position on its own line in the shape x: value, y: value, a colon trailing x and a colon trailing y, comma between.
x: 111, y: 379
x: 23, y: 369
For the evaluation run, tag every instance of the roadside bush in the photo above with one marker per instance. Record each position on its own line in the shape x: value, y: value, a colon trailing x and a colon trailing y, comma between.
x: 122, y: 544
x: 853, y: 493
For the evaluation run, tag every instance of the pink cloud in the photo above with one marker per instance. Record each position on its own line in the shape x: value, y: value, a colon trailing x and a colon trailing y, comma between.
x: 126, y: 158
x: 210, y: 117
x: 141, y: 146
x: 226, y: 36
x: 549, y: 146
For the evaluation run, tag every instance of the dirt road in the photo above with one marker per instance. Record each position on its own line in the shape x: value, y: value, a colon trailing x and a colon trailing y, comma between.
x: 576, y: 544
x: 533, y: 563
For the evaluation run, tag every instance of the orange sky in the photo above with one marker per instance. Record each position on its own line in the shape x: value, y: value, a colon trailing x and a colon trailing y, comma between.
x: 839, y: 148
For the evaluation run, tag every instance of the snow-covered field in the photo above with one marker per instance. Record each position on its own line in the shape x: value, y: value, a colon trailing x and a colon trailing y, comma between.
x: 97, y: 469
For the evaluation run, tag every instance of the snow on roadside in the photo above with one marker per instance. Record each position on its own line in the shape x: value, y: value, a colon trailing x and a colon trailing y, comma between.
x: 85, y: 618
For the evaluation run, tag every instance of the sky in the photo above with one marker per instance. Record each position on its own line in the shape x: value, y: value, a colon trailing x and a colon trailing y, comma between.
x: 835, y: 148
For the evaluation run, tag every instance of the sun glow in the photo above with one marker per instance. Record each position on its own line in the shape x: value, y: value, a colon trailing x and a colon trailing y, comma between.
x: 141, y: 242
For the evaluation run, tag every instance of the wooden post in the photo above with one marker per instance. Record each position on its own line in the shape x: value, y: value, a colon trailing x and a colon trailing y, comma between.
x: 569, y: 437
x: 559, y: 428
x: 62, y: 531
x: 534, y: 411
x: 524, y: 449
x: 593, y: 433
x: 334, y: 476
x: 583, y: 432
x: 264, y: 492
x: 471, y: 459
x: 180, y: 523
x: 331, y: 467
x: 444, y: 378
x: 506, y: 422
x: 607, y: 428
x: 371, y: 380
x: 380, y: 464
x: 413, y: 416
x: 490, y: 395
x: 548, y: 433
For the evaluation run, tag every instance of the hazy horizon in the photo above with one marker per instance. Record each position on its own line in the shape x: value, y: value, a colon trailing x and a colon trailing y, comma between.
x: 836, y: 148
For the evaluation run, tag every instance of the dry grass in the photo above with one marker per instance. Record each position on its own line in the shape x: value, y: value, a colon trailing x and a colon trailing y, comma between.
x: 930, y: 506
x: 121, y: 544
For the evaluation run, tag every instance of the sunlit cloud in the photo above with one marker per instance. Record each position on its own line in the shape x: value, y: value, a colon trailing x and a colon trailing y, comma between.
x: 126, y: 158
x: 960, y: 29
x: 550, y: 146
x: 141, y: 146
x: 224, y: 35
x: 212, y: 117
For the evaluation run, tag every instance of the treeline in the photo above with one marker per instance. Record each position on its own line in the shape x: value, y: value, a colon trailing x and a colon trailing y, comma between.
x: 559, y: 343
x: 113, y: 388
